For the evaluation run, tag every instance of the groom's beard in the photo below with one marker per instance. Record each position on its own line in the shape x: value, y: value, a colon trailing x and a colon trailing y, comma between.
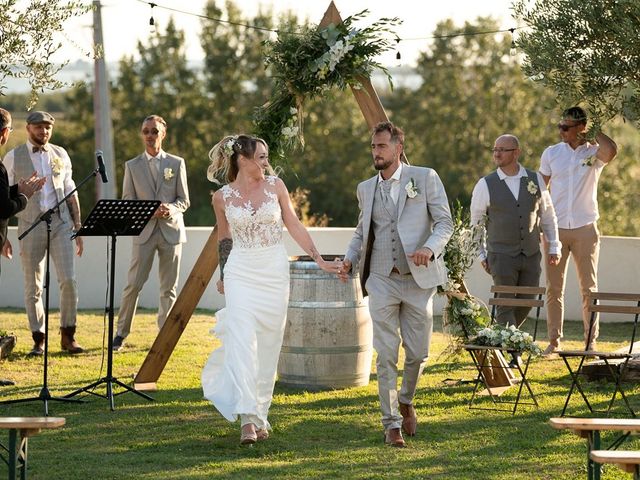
x: 380, y: 163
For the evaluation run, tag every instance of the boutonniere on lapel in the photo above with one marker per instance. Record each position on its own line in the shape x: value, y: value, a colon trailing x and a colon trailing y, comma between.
x: 168, y: 173
x: 56, y: 165
x: 532, y: 188
x: 411, y: 188
x: 587, y: 162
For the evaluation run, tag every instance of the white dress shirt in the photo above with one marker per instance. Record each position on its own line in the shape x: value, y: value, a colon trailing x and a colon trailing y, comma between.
x: 480, y: 201
x: 395, y: 183
x: 574, y: 183
x: 42, y: 165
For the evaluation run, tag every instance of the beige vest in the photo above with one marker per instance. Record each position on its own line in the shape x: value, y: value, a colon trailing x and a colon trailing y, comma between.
x: 23, y: 168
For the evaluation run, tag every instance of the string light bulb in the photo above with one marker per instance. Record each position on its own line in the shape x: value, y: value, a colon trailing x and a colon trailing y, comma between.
x: 398, y: 55
x: 513, y: 51
x: 152, y: 22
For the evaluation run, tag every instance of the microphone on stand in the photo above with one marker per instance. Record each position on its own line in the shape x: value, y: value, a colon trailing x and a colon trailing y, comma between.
x: 101, y: 168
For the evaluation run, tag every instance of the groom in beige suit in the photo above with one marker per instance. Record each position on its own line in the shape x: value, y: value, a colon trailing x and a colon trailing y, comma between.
x: 402, y: 230
x: 154, y: 175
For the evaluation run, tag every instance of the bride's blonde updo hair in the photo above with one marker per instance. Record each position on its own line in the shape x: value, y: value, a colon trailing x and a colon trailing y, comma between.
x: 224, y: 156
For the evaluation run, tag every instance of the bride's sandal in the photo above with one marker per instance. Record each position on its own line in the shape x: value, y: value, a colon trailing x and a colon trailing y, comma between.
x: 248, y: 435
x: 262, y: 434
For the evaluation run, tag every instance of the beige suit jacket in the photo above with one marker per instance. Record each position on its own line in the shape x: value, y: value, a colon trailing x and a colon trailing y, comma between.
x: 423, y: 221
x: 171, y: 188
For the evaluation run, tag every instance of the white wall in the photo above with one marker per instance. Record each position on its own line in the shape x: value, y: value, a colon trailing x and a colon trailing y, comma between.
x: 618, y: 271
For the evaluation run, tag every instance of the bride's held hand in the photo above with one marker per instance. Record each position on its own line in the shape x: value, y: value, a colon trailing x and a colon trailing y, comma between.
x: 220, y: 286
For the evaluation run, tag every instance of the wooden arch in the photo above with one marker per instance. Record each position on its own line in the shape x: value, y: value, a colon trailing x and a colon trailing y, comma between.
x: 207, y: 262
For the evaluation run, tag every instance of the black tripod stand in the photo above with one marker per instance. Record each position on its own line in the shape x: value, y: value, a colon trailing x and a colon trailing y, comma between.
x: 115, y: 218
x: 45, y: 395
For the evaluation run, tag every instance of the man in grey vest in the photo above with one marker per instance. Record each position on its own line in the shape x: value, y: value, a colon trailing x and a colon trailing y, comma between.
x: 13, y: 198
x: 517, y: 207
x: 397, y: 247
x: 52, y: 162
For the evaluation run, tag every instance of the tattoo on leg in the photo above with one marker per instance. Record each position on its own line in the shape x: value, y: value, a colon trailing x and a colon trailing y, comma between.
x: 224, y: 249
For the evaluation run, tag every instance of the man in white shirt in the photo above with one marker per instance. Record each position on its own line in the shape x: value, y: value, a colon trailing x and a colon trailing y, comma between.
x: 572, y: 169
x: 517, y: 207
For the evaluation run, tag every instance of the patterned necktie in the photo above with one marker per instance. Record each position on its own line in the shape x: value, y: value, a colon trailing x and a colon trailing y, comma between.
x: 385, y: 189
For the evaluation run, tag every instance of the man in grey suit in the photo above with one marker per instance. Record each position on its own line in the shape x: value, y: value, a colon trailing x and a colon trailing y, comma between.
x: 53, y: 163
x: 403, y: 227
x: 154, y: 175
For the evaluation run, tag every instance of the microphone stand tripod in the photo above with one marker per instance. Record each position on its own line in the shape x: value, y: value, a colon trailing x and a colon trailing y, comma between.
x: 44, y: 395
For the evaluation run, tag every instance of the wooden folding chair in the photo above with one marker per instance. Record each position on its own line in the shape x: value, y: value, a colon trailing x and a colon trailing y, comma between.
x: 482, y: 355
x: 615, y: 362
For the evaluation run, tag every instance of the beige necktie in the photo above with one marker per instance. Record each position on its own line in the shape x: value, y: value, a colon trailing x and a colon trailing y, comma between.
x: 153, y: 166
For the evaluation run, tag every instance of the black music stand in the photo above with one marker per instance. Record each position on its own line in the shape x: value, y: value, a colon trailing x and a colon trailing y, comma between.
x: 115, y: 218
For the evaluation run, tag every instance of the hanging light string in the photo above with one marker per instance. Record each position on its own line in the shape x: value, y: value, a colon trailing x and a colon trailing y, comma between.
x: 264, y: 29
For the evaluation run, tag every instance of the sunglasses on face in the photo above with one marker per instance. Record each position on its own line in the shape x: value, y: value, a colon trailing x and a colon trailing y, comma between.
x: 565, y: 128
x: 154, y: 131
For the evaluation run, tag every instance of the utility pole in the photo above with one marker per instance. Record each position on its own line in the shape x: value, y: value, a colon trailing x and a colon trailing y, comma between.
x: 102, y: 110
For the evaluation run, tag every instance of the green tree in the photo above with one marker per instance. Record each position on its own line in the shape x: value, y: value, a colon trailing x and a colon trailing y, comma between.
x: 472, y: 91
x: 586, y: 52
x: 28, y: 41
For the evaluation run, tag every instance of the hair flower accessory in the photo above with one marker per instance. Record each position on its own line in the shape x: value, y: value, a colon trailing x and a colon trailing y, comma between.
x: 168, y: 174
x: 56, y: 165
x: 228, y: 146
x: 411, y: 188
x: 587, y: 162
x: 532, y: 188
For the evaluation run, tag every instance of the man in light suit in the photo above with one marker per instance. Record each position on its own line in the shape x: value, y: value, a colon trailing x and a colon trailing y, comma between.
x: 53, y: 163
x: 154, y: 175
x: 402, y: 230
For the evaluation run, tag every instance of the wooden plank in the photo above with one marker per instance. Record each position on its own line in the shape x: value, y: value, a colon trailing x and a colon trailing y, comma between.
x: 591, y: 424
x: 625, y: 459
x: 516, y: 302
x: 31, y: 422
x: 181, y: 312
x: 518, y: 289
x: 625, y: 297
x: 624, y: 309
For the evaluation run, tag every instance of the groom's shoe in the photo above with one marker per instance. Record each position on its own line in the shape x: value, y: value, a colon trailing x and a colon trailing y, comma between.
x: 393, y: 438
x: 409, y: 418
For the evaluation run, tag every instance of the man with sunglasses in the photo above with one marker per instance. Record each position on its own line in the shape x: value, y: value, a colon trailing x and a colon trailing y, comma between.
x: 517, y: 208
x: 572, y: 169
x: 13, y: 199
x: 154, y: 175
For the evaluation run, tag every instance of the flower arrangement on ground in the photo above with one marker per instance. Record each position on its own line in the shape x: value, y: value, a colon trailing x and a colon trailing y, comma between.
x: 306, y: 63
x: 508, y: 338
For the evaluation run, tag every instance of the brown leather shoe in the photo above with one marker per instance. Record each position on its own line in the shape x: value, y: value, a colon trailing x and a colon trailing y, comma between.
x: 393, y: 438
x: 409, y: 419
x: 68, y: 342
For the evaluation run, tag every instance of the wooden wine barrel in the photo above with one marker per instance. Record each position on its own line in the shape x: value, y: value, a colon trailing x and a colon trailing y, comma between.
x: 327, y: 340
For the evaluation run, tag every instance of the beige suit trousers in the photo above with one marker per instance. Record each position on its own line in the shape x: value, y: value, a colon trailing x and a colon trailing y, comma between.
x: 401, y: 312
x: 142, y: 256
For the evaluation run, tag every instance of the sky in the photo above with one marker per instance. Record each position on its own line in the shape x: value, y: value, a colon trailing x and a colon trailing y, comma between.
x: 127, y: 21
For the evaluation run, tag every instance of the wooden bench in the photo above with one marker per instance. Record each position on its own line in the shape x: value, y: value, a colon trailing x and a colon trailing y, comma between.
x: 629, y: 461
x: 18, y: 449
x: 590, y: 428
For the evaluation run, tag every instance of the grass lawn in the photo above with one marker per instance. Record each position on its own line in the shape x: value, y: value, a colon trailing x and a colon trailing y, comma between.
x: 334, y: 434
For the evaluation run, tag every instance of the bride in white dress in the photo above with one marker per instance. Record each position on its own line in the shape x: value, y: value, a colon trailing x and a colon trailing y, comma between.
x: 250, y: 212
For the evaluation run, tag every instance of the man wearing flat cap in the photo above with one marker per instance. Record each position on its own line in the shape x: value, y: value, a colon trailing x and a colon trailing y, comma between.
x: 52, y: 162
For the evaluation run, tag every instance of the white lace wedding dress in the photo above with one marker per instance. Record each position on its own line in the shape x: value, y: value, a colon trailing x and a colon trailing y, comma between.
x: 239, y: 377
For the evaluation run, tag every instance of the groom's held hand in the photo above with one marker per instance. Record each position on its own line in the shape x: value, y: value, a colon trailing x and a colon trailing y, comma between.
x: 345, y: 270
x: 422, y: 256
